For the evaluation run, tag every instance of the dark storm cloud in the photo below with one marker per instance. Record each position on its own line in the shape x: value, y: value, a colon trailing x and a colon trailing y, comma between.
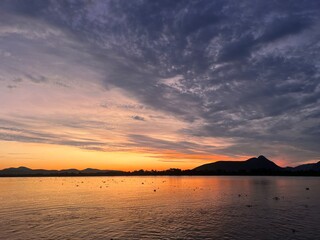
x: 249, y: 69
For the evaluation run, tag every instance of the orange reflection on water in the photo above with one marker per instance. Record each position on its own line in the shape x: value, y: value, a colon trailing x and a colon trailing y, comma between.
x: 168, y: 207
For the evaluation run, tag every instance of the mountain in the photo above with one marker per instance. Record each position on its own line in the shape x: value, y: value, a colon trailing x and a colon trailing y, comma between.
x: 260, y: 163
x: 93, y: 170
x: 24, y: 171
x: 315, y: 167
x: 17, y: 171
x: 253, y: 166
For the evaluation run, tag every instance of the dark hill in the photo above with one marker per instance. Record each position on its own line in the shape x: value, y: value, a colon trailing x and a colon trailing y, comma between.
x: 315, y: 167
x: 17, y: 171
x: 260, y: 163
x: 23, y: 171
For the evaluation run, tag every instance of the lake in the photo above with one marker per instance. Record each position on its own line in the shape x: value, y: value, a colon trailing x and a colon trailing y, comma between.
x: 191, y: 207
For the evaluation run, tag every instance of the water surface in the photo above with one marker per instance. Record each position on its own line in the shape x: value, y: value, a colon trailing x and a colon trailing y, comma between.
x: 160, y: 208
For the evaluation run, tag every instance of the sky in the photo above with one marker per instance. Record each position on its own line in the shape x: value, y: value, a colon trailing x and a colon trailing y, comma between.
x: 118, y: 84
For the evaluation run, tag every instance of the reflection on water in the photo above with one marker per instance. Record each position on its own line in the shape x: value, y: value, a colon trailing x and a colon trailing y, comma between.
x: 160, y: 208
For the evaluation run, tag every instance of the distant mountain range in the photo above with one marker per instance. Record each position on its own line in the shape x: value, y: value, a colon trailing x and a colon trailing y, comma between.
x: 23, y: 171
x: 253, y: 166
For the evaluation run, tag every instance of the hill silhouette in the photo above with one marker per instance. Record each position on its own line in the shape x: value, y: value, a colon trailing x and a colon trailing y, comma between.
x: 24, y: 171
x: 307, y: 167
x: 253, y: 166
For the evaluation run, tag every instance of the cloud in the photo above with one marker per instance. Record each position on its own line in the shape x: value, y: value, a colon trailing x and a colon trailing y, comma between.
x: 24, y: 134
x: 11, y: 86
x: 37, y: 79
x: 158, y: 145
x: 138, y: 118
x: 246, y: 71
x: 237, y: 50
x: 285, y: 26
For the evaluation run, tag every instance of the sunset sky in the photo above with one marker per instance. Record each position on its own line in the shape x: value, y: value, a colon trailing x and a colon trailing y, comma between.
x: 130, y: 84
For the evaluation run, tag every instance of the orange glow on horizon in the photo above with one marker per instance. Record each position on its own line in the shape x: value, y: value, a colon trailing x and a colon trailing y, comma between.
x: 48, y: 156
